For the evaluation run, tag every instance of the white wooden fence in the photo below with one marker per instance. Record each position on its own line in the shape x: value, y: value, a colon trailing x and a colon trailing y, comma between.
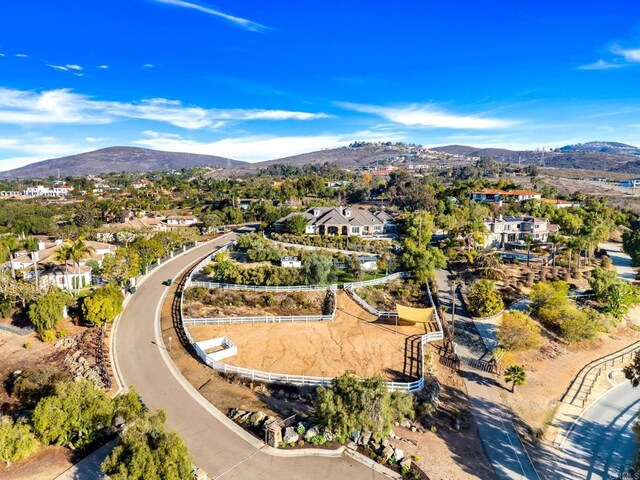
x: 263, y: 288
x: 304, y: 380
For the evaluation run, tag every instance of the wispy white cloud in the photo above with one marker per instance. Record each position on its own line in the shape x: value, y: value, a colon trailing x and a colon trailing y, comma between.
x: 429, y: 115
x: 34, y: 148
x: 103, y: 67
x: 258, y: 148
x: 73, y: 66
x: 149, y: 65
x: 631, y: 55
x: 60, y: 68
x: 66, y: 107
x: 239, y: 21
x: 601, y: 65
x: 22, y: 55
x: 2, y: 54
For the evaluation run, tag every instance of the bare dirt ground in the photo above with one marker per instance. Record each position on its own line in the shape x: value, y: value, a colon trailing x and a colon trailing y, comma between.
x: 47, y: 464
x: 445, y: 454
x: 550, y: 372
x: 354, y: 341
x: 232, y: 303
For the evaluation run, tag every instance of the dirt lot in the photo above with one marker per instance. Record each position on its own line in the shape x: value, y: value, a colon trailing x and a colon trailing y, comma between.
x: 445, y: 454
x: 385, y: 296
x: 218, y: 302
x: 550, y: 372
x: 354, y: 341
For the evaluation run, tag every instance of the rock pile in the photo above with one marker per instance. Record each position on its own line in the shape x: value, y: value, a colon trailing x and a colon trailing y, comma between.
x: 81, y: 358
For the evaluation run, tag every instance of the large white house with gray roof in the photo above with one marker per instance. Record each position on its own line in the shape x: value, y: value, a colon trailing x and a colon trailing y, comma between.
x: 344, y: 221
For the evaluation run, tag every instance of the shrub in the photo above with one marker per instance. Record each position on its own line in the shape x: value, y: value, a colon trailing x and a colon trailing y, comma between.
x: 483, y: 300
x: 103, y: 305
x: 318, y: 440
x: 47, y: 310
x: 549, y: 300
x: 36, y: 383
x: 517, y: 331
x: 580, y: 325
x: 350, y: 404
x: 17, y: 441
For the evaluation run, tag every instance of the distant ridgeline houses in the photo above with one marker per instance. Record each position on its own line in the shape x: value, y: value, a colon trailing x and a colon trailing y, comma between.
x: 39, y: 191
x: 343, y: 221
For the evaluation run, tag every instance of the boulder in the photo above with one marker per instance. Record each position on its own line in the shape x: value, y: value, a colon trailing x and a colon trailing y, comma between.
x: 406, y: 424
x: 398, y: 455
x: 244, y: 418
x: 328, y: 434
x: 290, y: 435
x: 312, y: 432
x: 385, y: 442
x: 257, y: 418
x: 387, y: 452
x: 364, y: 438
x: 238, y: 414
x: 376, y: 447
x: 405, y: 463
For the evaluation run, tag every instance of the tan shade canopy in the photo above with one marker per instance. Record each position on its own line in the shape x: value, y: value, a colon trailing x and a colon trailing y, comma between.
x: 413, y: 314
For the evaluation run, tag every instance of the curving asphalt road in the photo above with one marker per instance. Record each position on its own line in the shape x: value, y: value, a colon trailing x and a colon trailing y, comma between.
x: 602, y: 443
x: 142, y: 361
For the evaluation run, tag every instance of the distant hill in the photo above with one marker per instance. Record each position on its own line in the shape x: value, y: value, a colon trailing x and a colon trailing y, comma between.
x: 118, y: 159
x: 604, y: 156
x: 602, y: 147
x: 346, y: 157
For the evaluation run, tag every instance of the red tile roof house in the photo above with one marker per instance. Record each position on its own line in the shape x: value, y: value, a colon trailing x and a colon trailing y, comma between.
x: 492, y: 195
x: 344, y: 221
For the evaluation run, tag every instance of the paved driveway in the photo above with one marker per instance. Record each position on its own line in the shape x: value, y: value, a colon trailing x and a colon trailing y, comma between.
x: 216, y: 448
x: 602, y: 444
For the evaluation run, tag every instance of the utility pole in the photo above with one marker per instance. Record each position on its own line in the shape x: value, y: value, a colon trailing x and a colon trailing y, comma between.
x: 453, y: 311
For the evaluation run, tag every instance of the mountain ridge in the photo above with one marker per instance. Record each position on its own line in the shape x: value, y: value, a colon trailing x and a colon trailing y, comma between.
x: 118, y: 159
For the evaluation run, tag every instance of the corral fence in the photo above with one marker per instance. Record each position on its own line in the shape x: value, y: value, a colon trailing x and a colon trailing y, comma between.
x: 350, y: 288
x: 581, y: 387
x: 297, y: 380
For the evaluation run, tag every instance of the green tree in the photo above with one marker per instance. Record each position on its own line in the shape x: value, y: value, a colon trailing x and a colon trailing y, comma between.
x: 632, y: 371
x: 17, y: 441
x: 36, y: 383
x: 76, y: 414
x: 578, y: 325
x: 147, y: 451
x: 354, y: 267
x: 317, y: 270
x: 517, y: 331
x: 121, y: 266
x: 516, y: 376
x: 352, y: 405
x: 47, y: 310
x: 613, y: 293
x: 483, y: 300
x: 549, y: 301
x: 421, y: 262
x: 487, y: 263
x: 419, y: 226
x: 631, y: 245
x: 103, y: 305
x: 295, y: 224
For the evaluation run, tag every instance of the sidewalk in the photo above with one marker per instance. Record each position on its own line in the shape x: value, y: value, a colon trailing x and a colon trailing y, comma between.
x: 501, y: 442
x: 89, y: 466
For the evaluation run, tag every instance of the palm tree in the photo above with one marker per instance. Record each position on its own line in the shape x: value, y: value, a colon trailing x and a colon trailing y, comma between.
x: 556, y: 240
x: 528, y: 239
x: 32, y: 245
x: 79, y: 251
x: 515, y: 375
x: 488, y: 264
x: 11, y: 245
x: 64, y: 255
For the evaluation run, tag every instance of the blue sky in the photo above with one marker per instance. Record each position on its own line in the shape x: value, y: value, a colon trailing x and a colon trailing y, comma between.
x: 256, y: 80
